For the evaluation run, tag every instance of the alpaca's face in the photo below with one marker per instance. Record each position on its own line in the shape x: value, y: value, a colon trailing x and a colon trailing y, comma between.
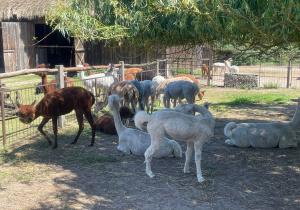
x: 26, y: 113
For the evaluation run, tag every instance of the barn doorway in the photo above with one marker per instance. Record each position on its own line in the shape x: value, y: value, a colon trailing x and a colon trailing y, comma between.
x: 54, y: 48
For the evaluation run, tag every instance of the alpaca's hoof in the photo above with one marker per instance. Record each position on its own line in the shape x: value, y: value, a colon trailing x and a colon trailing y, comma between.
x: 73, y: 142
x: 49, y: 142
x: 229, y: 142
x: 186, y: 171
x: 91, y: 145
x: 201, y: 179
x: 54, y: 147
x: 150, y: 174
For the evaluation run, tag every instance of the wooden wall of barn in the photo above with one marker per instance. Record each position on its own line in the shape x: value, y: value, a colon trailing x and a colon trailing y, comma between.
x: 101, y: 53
x: 2, y: 70
x: 18, y: 49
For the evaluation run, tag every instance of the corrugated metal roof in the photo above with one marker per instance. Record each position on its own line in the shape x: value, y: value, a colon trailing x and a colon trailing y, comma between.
x: 23, y: 9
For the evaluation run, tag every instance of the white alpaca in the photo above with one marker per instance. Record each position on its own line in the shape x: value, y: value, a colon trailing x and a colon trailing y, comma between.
x: 218, y: 67
x: 132, y: 141
x: 157, y: 80
x: 232, y: 69
x: 264, y: 135
x: 181, y: 90
x: 103, y: 80
x: 195, y: 130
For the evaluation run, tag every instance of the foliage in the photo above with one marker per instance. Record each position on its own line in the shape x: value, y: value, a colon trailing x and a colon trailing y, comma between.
x: 262, y: 26
x: 271, y: 85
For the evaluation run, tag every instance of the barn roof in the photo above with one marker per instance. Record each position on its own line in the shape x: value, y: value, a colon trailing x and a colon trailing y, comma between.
x: 23, y: 9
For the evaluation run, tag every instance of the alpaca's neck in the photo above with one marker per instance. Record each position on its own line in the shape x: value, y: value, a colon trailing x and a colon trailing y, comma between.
x: 44, y: 80
x: 82, y: 75
x: 203, y: 111
x: 118, y: 123
x: 295, y: 122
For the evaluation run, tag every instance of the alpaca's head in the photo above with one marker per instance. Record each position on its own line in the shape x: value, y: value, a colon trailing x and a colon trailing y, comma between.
x: 41, y: 74
x: 26, y: 113
x: 114, y: 102
x: 99, y: 105
x: 125, y: 113
x: 201, y: 94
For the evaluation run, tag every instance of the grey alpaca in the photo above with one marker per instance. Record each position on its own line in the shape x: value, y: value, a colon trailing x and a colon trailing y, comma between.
x: 264, y: 135
x: 181, y: 90
x: 133, y: 141
x: 137, y: 84
x: 149, y: 90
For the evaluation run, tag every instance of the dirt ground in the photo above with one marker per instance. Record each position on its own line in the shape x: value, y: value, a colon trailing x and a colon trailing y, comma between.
x: 235, y: 178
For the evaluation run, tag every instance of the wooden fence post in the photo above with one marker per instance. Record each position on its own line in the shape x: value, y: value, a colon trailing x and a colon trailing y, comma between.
x: 122, y: 71
x: 59, y: 77
x: 3, y: 116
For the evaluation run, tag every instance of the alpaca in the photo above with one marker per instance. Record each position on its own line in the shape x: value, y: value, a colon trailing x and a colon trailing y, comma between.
x: 195, y: 130
x: 43, y: 66
x: 133, y: 141
x: 161, y: 87
x: 138, y: 85
x: 157, y: 80
x: 232, y: 69
x: 129, y: 77
x: 124, y: 89
x: 194, y: 80
x: 264, y: 135
x: 204, y: 69
x: 181, y: 90
x: 57, y: 103
x: 48, y: 88
x: 92, y: 73
x: 132, y: 71
x: 103, y: 80
x: 106, y: 124
x: 149, y: 90
x: 218, y: 66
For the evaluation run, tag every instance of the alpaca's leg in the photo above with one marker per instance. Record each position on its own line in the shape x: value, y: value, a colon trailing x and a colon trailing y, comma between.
x: 174, y: 105
x: 89, y: 117
x: 54, y: 123
x: 79, y: 116
x: 40, y: 129
x: 188, y: 154
x: 157, y: 138
x: 152, y: 103
x: 198, y: 151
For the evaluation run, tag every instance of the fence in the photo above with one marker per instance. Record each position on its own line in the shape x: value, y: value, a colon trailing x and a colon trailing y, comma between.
x: 282, y: 76
x: 12, y: 130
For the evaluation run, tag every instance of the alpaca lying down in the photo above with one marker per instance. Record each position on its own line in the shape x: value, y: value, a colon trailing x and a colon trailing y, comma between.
x: 132, y: 141
x: 264, y: 135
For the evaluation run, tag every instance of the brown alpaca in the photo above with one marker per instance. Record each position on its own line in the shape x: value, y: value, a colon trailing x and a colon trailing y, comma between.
x: 129, y: 77
x: 49, y: 88
x: 132, y: 71
x: 88, y: 71
x: 57, y: 103
x: 106, y: 124
x: 204, y: 69
x: 46, y: 86
x: 43, y: 66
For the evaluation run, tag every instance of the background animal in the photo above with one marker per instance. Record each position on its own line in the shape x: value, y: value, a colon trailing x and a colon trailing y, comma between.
x: 180, y: 90
x: 264, y: 135
x: 157, y: 80
x: 57, y: 103
x: 195, y: 130
x: 133, y: 141
x: 149, y: 90
x: 218, y: 68
x: 232, y: 69
x: 43, y: 66
x: 205, y: 72
x: 106, y: 124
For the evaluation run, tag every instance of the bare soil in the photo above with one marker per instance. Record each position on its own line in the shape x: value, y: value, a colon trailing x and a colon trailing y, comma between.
x: 235, y: 178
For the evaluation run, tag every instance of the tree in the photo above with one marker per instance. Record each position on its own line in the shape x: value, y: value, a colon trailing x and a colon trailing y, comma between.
x: 264, y: 26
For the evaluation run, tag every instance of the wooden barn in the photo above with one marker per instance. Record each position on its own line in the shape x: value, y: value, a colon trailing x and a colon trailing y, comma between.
x: 26, y: 41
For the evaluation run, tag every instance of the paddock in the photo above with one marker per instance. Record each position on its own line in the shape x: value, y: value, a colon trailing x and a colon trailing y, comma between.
x: 33, y: 176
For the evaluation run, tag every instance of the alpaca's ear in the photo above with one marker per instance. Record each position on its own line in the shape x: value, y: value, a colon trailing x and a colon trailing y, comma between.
x: 33, y: 103
x: 203, y: 91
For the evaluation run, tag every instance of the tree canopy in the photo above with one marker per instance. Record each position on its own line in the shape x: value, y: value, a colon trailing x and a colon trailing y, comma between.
x: 246, y: 24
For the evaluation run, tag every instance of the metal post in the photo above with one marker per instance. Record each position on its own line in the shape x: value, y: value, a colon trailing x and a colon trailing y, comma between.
x: 3, y: 116
x: 288, y: 75
x: 59, y: 77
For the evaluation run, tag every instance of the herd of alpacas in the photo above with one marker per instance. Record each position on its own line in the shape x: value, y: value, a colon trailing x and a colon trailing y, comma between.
x: 180, y: 123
